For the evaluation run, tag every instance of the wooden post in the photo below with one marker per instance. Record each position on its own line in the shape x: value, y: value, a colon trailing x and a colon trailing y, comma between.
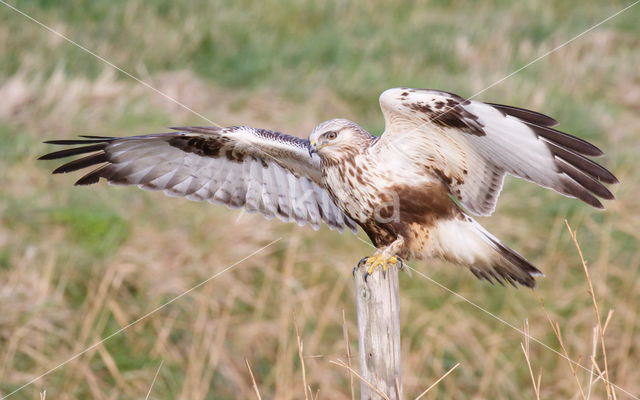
x: 378, y: 307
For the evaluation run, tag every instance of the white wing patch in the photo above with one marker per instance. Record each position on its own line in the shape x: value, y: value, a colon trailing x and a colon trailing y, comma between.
x: 471, y: 146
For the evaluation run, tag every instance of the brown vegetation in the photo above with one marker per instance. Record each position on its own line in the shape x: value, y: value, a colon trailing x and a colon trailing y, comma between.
x: 78, y: 264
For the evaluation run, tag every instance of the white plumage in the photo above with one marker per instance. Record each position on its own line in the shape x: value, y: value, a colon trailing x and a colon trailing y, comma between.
x: 397, y: 187
x: 503, y: 140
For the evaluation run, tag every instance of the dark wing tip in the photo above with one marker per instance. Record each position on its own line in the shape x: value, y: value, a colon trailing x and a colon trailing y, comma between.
x: 615, y: 180
x: 565, y: 140
x: 81, y: 163
x: 72, y: 152
x: 88, y: 179
x: 541, y: 125
x: 90, y: 144
x: 523, y: 114
x: 585, y: 181
x: 595, y: 203
x: 89, y: 140
x: 48, y: 156
x: 583, y: 164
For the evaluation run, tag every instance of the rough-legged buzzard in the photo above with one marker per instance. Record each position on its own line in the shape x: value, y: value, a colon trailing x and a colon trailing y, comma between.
x: 409, y: 189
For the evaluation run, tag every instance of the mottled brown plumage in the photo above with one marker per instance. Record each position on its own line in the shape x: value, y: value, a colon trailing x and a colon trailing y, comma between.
x: 403, y: 188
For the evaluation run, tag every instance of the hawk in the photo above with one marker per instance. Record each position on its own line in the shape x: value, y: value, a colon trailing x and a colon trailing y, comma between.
x: 412, y: 190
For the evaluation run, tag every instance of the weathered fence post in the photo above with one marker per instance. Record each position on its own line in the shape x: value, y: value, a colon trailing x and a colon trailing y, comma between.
x: 378, y: 307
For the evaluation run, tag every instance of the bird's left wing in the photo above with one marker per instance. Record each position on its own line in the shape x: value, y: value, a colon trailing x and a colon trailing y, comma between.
x: 471, y: 146
x: 239, y: 166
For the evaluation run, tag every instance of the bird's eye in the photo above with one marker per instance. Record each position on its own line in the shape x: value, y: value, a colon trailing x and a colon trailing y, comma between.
x: 331, y: 135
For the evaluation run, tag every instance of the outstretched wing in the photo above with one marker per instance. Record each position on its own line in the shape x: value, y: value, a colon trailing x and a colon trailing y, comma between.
x: 256, y: 169
x: 471, y: 146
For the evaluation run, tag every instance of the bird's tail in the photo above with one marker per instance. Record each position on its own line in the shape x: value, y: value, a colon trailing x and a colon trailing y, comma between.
x: 466, y: 242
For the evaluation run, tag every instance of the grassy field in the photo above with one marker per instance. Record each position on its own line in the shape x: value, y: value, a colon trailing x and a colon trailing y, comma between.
x: 78, y: 264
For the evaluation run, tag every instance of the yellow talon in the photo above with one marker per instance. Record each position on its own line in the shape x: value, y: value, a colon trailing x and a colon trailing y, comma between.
x: 379, y: 261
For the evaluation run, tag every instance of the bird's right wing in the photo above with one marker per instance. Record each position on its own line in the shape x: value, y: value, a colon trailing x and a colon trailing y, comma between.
x: 255, y: 169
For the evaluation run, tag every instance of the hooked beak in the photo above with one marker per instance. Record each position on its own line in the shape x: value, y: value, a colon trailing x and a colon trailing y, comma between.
x: 312, y: 148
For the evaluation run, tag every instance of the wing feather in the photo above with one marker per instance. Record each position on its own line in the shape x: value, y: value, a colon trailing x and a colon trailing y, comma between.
x: 255, y: 169
x: 471, y: 146
x: 269, y: 193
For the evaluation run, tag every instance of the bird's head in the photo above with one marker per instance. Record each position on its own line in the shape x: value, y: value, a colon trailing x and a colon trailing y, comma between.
x: 336, y: 138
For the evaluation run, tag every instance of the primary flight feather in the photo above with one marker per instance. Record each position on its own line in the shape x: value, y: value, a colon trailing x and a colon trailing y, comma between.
x: 401, y: 187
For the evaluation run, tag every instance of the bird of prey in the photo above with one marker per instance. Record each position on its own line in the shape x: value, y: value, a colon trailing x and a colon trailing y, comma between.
x: 412, y: 189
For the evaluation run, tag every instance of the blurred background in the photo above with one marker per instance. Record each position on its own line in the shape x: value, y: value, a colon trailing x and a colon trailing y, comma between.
x: 79, y: 263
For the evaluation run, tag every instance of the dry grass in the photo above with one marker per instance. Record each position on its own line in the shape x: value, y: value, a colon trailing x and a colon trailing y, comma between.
x: 601, y: 374
x: 77, y: 264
